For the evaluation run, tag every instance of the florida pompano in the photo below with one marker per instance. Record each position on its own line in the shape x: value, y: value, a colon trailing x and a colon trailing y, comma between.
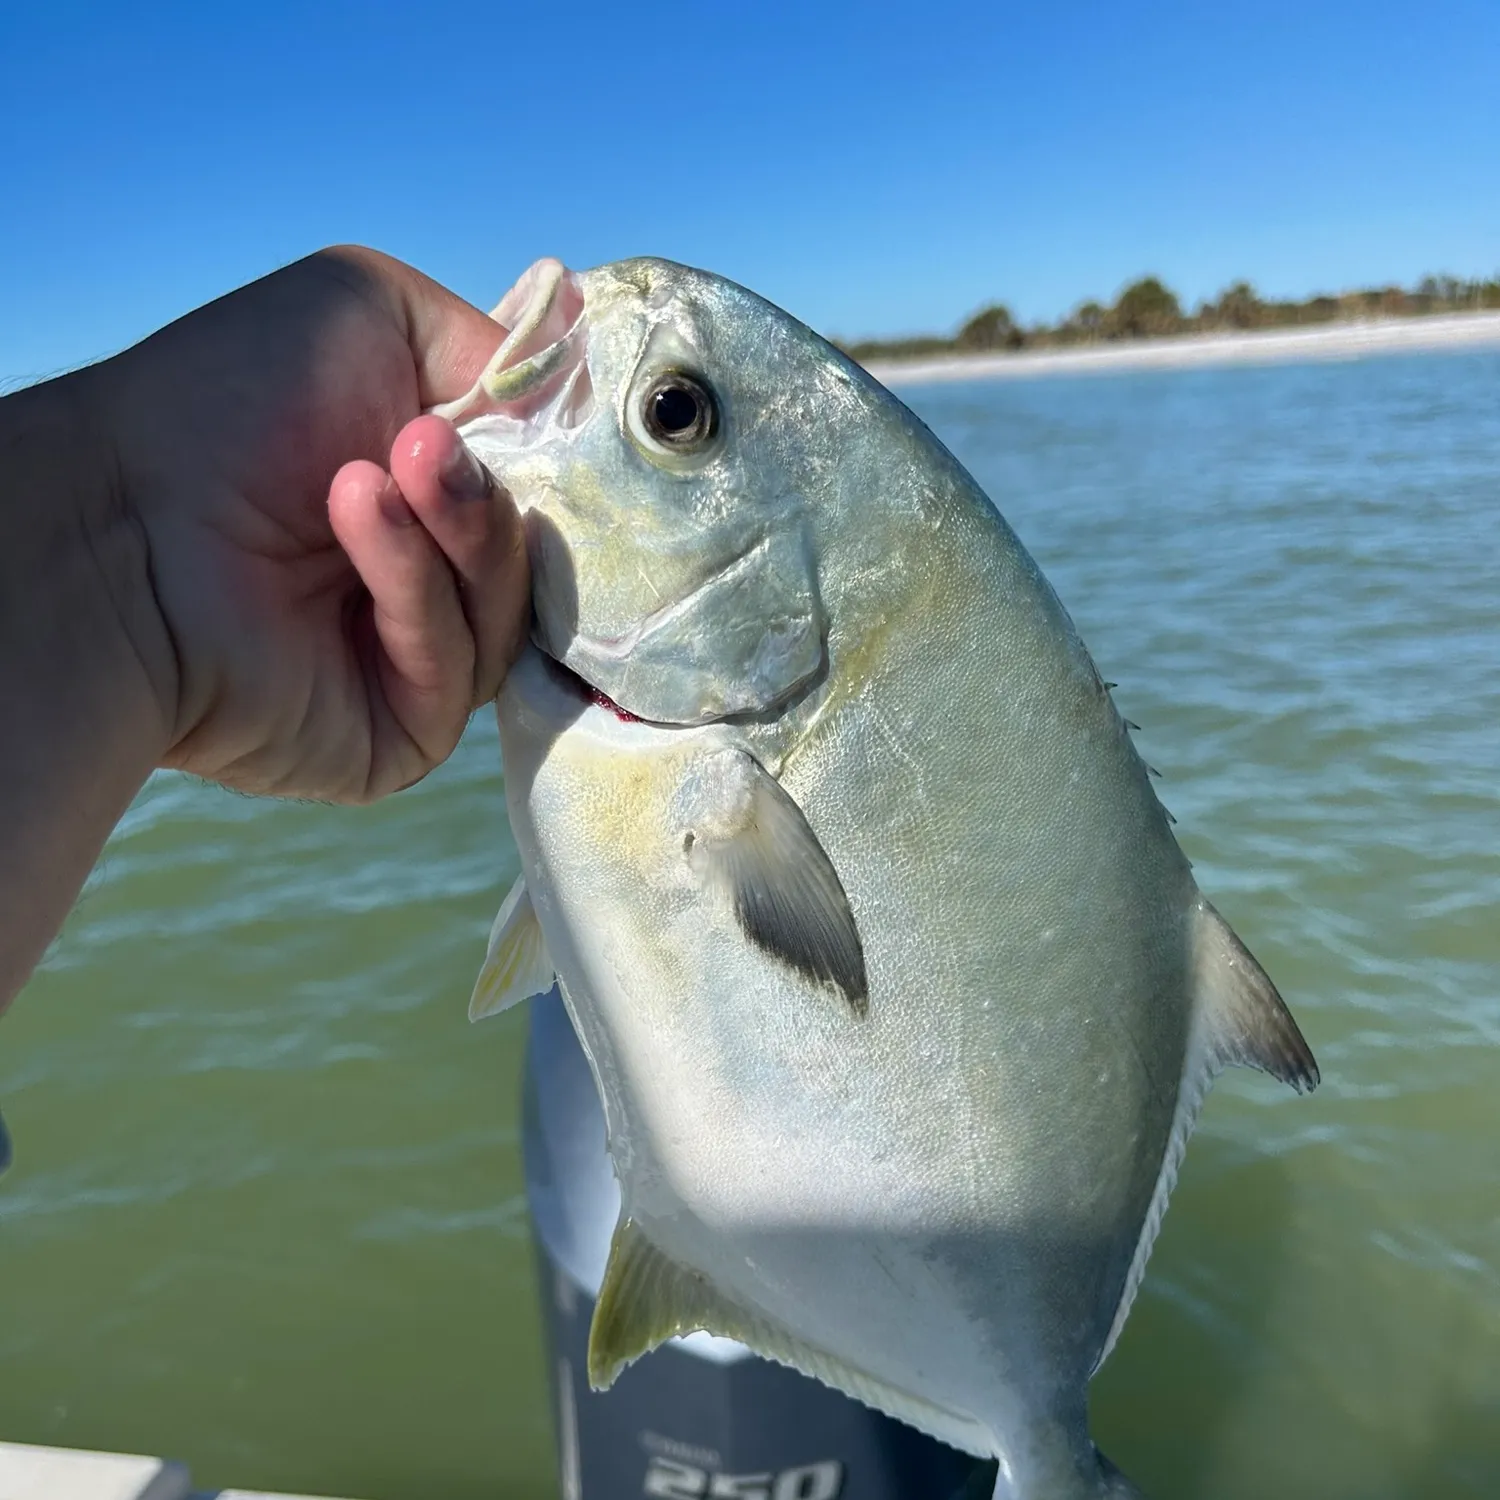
x: 899, y: 994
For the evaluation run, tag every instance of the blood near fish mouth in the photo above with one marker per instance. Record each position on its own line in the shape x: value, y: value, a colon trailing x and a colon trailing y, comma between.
x: 581, y: 687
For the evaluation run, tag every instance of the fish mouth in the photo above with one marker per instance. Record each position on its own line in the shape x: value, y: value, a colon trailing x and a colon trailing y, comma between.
x: 536, y: 383
x: 535, y: 387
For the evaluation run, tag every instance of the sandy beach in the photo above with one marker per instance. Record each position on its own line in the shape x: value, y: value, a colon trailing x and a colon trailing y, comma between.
x: 1338, y: 341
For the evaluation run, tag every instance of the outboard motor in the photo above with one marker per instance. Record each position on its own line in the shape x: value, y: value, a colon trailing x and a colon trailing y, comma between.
x: 701, y: 1418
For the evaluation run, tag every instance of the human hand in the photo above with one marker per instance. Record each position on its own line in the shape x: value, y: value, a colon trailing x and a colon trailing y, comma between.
x: 337, y: 583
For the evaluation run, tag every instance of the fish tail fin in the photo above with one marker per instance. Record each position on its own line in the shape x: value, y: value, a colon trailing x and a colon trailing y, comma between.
x: 1113, y: 1485
x: 1107, y: 1484
x: 1058, y: 1462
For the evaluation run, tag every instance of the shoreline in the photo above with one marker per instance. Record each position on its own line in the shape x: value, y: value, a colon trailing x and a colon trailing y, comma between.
x: 1330, y: 341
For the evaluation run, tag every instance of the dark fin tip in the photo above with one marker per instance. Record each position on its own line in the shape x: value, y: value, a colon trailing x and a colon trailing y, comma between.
x: 808, y: 937
x: 1276, y: 1046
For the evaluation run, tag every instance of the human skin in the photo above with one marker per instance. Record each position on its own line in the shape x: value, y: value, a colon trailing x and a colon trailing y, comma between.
x: 238, y: 549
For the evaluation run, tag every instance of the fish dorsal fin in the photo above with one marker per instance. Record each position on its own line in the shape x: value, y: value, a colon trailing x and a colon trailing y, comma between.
x: 517, y: 964
x: 787, y: 897
x: 647, y: 1299
x: 1238, y: 1017
x: 1245, y: 1020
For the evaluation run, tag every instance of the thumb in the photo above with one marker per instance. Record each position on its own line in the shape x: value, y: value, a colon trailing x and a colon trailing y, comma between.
x: 450, y: 340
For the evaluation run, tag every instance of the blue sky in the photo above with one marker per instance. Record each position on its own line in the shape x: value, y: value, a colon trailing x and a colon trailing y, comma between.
x: 874, y: 169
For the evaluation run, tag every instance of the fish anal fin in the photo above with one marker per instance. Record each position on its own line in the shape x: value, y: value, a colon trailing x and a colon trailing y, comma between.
x: 1198, y: 1071
x: 517, y: 964
x: 647, y: 1299
x: 1245, y: 1019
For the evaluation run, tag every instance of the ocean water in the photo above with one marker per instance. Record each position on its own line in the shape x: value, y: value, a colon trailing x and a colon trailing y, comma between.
x: 266, y: 1213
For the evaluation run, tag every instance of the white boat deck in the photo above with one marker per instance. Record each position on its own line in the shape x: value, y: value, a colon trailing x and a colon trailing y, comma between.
x: 32, y: 1473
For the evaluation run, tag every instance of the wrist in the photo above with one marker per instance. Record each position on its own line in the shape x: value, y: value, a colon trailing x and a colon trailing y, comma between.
x: 74, y: 562
x: 84, y: 681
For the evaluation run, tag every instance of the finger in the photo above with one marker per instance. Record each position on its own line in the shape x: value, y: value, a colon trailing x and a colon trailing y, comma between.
x: 475, y: 523
x: 425, y: 657
x: 451, y: 340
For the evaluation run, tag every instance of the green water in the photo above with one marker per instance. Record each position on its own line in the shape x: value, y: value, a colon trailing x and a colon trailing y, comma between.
x: 266, y: 1210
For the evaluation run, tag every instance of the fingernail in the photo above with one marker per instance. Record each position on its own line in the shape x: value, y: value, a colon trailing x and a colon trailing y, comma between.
x: 463, y: 476
x: 393, y: 506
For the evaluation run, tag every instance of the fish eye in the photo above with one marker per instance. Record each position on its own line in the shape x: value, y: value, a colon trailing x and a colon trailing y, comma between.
x: 679, y: 413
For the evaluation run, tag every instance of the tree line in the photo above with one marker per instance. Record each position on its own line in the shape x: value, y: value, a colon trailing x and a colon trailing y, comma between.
x: 1148, y: 309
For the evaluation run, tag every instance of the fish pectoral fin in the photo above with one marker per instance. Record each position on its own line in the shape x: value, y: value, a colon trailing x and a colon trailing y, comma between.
x: 787, y: 896
x: 1245, y: 1019
x: 647, y: 1298
x: 517, y: 964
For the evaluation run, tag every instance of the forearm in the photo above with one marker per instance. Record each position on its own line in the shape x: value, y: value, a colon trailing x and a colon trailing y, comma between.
x: 81, y: 723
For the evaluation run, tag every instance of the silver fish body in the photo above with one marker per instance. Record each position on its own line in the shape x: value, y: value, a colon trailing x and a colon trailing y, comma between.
x: 900, y: 995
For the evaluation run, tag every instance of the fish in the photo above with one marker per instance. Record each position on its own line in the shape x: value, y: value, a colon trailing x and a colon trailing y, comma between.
x: 900, y: 996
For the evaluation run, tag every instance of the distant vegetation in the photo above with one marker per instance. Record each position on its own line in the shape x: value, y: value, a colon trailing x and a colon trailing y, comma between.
x: 1147, y: 309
